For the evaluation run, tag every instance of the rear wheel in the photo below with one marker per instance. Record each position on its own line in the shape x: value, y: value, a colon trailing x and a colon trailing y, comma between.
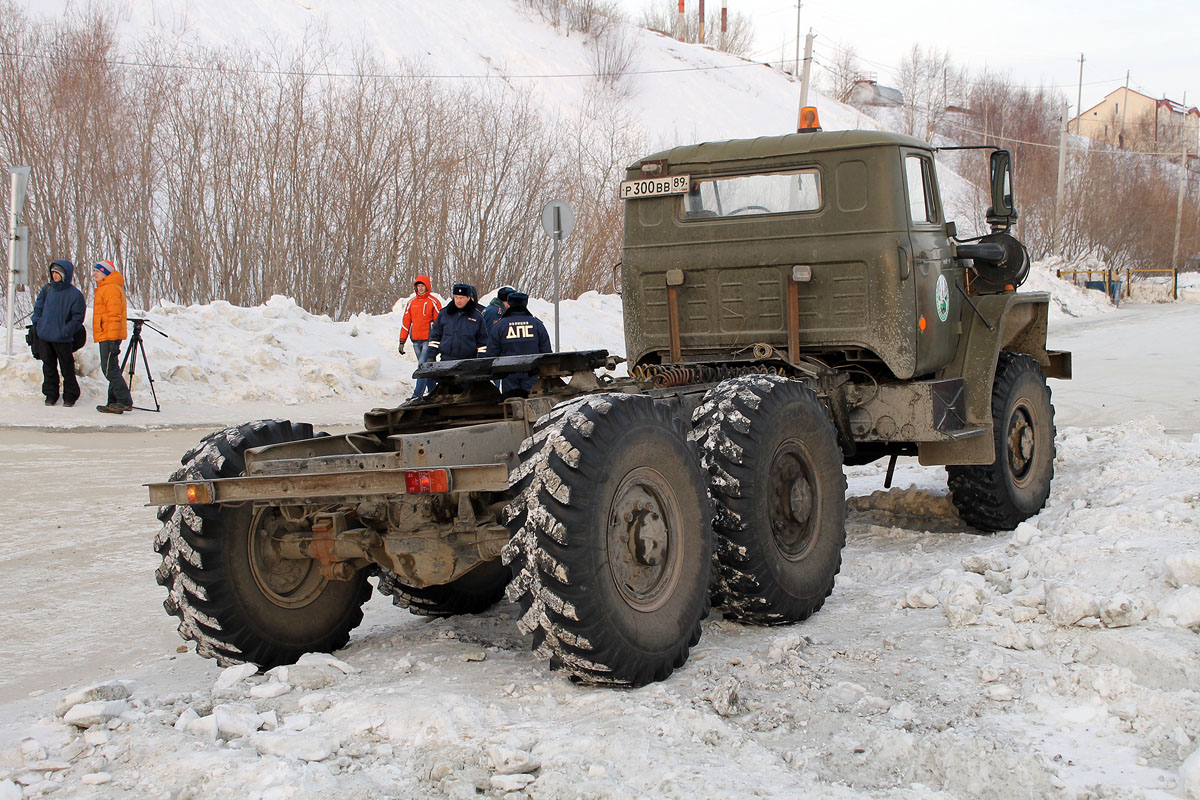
x: 1001, y: 495
x: 775, y: 474
x: 234, y: 596
x: 473, y: 593
x: 612, y: 544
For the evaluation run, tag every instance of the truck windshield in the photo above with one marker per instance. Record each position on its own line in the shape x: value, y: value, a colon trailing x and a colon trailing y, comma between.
x: 743, y: 195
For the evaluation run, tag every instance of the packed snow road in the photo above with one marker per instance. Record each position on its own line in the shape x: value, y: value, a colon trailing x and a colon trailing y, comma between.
x: 1060, y: 660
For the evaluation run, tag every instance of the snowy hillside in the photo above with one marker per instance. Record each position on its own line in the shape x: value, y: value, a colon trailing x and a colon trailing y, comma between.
x: 675, y: 92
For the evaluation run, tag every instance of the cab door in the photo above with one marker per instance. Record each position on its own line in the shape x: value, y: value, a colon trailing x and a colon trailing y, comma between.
x: 933, y: 267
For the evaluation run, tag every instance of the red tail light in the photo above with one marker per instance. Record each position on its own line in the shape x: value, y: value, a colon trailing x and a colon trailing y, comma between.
x: 426, y: 481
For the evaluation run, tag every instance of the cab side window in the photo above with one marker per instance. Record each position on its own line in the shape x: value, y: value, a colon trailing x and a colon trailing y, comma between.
x: 922, y: 205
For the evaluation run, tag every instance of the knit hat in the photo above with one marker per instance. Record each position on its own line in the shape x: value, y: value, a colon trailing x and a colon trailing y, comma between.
x: 107, y: 267
x: 503, y: 292
x: 56, y: 267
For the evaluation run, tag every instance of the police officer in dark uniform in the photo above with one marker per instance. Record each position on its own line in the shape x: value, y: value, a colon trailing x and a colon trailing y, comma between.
x: 491, y: 314
x: 518, y: 333
x: 458, y: 331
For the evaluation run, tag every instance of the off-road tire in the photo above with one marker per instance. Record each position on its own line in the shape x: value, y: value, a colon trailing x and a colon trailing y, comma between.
x: 227, y: 599
x: 473, y: 593
x: 611, y: 546
x: 775, y: 473
x: 1001, y: 495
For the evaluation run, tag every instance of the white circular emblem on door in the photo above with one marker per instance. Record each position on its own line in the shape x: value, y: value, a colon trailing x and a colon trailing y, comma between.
x: 941, y: 298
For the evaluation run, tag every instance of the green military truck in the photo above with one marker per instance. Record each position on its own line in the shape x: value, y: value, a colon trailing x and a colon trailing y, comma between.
x: 793, y: 304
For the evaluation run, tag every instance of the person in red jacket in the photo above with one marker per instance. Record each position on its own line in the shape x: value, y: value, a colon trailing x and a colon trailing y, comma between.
x: 109, y: 328
x: 419, y: 314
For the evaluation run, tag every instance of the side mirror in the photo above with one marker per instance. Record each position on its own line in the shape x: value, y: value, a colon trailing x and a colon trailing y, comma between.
x: 1002, y: 184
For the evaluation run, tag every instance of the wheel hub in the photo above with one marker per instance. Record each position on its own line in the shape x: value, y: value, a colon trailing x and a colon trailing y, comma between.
x: 647, y: 534
x: 801, y: 500
x: 1021, y: 442
x: 286, y: 582
x: 793, y: 500
x: 643, y: 532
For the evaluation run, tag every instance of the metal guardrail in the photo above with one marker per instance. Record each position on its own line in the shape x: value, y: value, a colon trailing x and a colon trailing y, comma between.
x: 1111, y: 278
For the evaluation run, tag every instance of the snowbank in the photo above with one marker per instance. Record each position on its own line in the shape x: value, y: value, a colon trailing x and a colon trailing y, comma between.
x: 1066, y: 299
x: 274, y: 356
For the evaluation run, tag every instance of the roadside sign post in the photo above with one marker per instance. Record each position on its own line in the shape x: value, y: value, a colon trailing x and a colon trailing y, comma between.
x: 18, y: 243
x: 558, y: 220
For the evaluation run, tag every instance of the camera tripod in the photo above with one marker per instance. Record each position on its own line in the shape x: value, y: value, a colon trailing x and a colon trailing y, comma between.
x: 136, y: 344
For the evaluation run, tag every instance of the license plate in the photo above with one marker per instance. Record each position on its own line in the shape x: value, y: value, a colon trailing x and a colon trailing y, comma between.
x: 655, y: 187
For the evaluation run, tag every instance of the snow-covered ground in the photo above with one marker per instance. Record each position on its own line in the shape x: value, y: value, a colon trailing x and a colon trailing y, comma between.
x: 1061, y: 660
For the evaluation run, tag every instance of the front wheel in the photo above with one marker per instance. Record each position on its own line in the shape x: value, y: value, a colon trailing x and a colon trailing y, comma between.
x: 1001, y: 495
x: 612, y: 542
x: 234, y: 596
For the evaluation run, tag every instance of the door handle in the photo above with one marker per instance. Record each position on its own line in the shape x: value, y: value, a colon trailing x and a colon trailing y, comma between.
x: 922, y: 260
x: 905, y: 264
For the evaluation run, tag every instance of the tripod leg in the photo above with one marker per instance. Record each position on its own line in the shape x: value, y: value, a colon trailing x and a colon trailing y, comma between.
x: 149, y: 377
x: 134, y: 342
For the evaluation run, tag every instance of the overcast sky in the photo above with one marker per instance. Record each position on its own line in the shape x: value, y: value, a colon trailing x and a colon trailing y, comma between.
x: 1037, y: 42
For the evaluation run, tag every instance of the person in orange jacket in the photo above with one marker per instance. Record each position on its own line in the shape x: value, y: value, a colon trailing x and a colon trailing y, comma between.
x: 109, y: 329
x: 419, y: 314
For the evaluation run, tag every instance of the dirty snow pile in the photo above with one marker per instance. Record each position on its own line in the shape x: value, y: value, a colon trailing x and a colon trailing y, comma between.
x: 1058, y: 660
x: 1073, y: 300
x: 1067, y: 300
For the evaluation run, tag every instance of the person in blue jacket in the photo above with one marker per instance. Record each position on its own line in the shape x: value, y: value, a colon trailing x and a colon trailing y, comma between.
x: 518, y: 333
x: 458, y: 331
x: 58, y: 317
x: 491, y: 314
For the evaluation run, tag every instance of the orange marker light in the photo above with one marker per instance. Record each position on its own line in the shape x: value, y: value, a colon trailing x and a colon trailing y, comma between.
x: 921, y: 324
x: 809, y: 122
x: 199, y: 493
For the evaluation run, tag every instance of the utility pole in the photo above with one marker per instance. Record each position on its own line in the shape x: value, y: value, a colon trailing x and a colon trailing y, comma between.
x: 701, y: 21
x: 1079, y: 98
x: 808, y: 43
x: 1062, y: 172
x: 796, y: 66
x: 1183, y: 169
